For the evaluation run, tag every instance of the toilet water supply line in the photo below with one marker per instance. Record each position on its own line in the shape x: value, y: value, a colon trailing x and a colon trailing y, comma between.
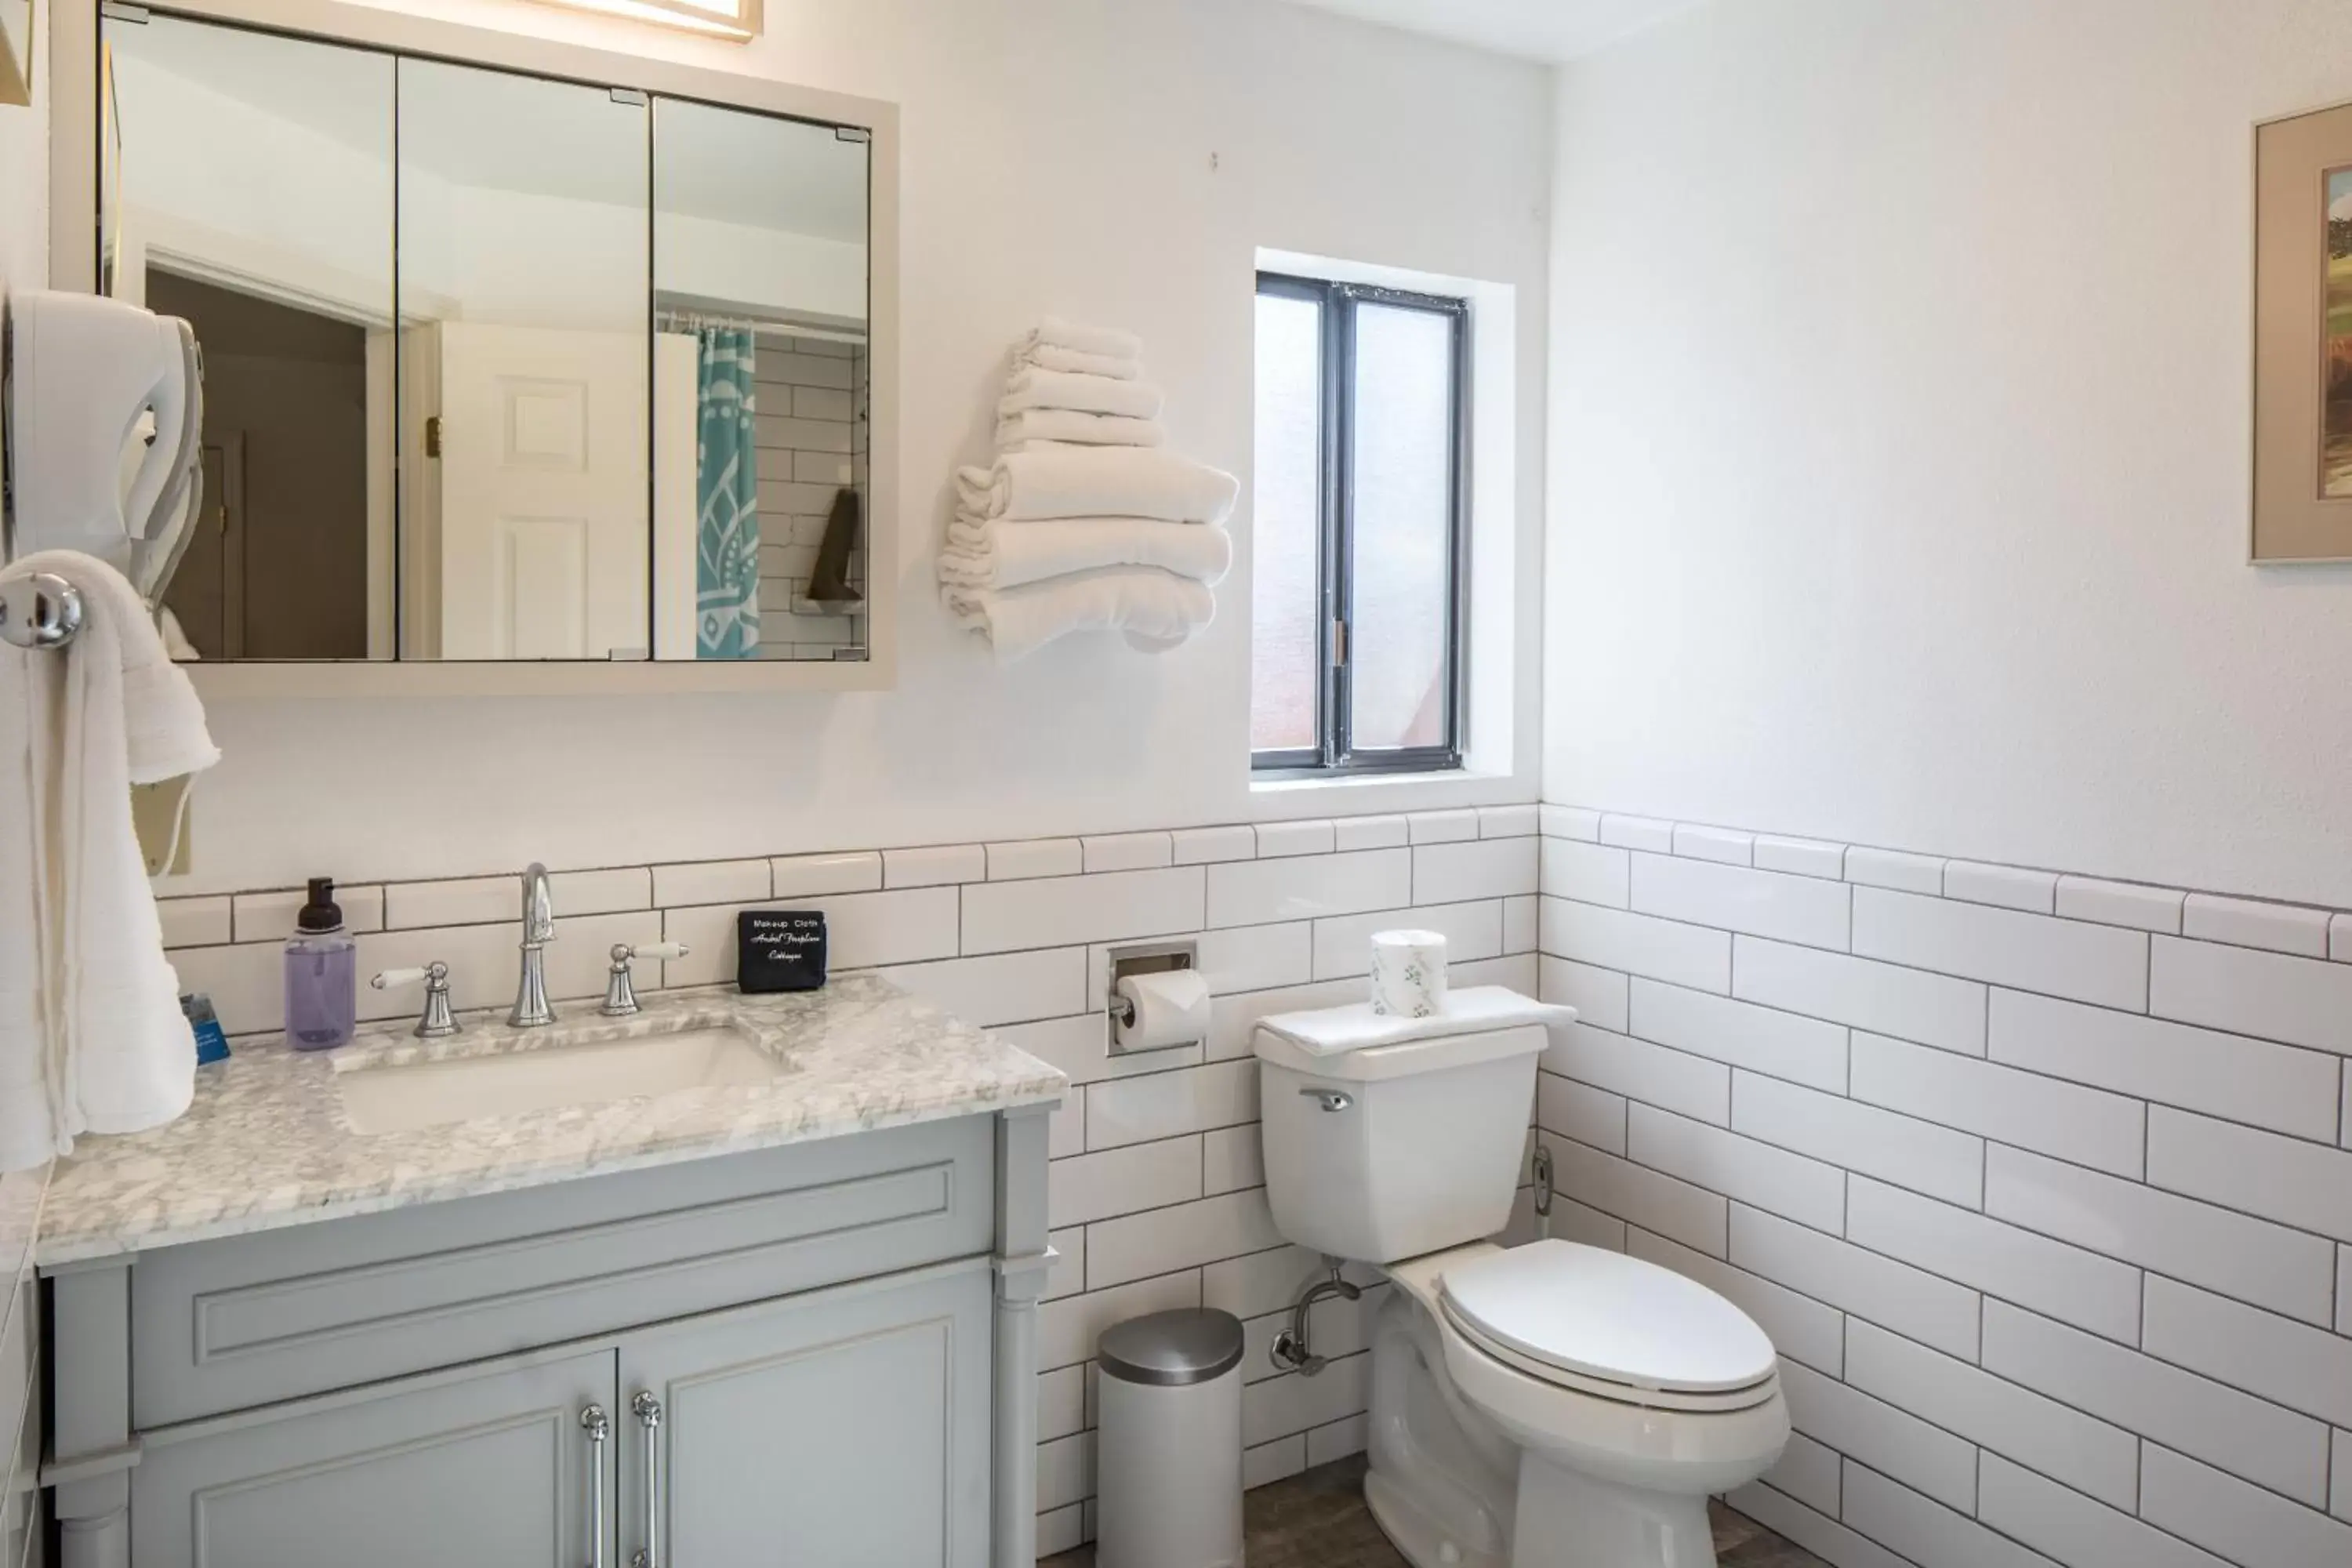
x: 1289, y: 1351
x: 1542, y: 1173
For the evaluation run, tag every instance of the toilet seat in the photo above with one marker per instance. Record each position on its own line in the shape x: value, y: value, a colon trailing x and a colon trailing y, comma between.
x: 1758, y: 1392
x: 1605, y: 1324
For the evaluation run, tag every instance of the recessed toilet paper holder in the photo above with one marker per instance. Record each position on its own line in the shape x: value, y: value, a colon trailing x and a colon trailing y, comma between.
x: 1141, y: 958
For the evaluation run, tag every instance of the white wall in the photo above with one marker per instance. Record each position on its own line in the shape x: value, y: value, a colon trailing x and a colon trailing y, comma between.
x: 1114, y: 163
x: 1899, y: 430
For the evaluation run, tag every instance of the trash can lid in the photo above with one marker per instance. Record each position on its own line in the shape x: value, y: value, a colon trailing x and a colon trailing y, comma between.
x: 1192, y: 1344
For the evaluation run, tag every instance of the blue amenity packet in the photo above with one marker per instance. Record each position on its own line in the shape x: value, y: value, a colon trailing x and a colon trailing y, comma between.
x: 212, y: 1045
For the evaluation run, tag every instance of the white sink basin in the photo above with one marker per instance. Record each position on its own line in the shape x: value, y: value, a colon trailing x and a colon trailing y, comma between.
x: 402, y: 1097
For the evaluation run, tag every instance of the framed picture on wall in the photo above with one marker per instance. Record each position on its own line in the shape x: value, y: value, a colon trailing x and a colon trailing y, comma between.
x: 15, y: 51
x: 2303, y: 338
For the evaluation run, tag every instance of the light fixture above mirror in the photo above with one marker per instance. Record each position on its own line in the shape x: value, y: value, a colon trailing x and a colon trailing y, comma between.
x: 729, y: 19
x: 735, y: 20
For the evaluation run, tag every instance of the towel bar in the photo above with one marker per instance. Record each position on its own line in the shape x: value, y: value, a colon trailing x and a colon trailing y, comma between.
x: 39, y: 609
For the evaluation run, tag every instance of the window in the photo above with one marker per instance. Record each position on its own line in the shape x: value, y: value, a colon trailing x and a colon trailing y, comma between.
x: 1359, y: 528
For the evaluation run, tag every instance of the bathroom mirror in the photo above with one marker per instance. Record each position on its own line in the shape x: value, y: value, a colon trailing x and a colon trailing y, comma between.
x: 761, y: 368
x: 522, y: 236
x: 248, y: 189
x: 513, y: 356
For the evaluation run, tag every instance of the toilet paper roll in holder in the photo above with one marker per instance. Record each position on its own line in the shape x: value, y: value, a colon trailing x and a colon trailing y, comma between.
x: 1141, y: 958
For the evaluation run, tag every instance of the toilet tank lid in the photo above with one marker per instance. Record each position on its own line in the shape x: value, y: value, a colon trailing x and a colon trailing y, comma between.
x: 1472, y: 1010
x: 1188, y: 1345
x: 1605, y: 1315
x: 1376, y: 1062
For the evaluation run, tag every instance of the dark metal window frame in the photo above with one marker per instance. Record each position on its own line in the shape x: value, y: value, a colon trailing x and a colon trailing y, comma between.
x: 1334, y: 752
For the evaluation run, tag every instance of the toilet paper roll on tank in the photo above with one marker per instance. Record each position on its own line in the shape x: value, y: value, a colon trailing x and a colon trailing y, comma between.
x: 1408, y: 974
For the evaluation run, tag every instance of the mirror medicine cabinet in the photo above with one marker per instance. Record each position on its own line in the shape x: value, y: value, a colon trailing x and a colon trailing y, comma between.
x: 527, y: 367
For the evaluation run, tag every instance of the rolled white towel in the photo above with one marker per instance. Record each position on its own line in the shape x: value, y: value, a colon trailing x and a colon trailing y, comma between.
x: 1053, y: 356
x: 1108, y: 341
x: 1157, y: 610
x: 1012, y: 554
x: 1034, y: 388
x: 1098, y: 482
x: 1079, y: 429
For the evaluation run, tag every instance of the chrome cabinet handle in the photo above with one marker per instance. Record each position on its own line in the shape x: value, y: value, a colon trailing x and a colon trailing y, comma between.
x: 649, y: 1416
x: 1330, y: 1098
x: 593, y: 1422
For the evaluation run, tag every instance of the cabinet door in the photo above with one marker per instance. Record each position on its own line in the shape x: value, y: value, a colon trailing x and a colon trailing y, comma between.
x: 490, y: 1469
x: 844, y: 1428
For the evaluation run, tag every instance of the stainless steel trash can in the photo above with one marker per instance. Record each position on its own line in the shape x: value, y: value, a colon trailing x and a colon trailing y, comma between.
x: 1168, y: 1446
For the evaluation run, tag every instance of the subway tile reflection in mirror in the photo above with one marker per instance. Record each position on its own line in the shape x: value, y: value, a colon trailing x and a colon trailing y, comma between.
x: 498, y: 368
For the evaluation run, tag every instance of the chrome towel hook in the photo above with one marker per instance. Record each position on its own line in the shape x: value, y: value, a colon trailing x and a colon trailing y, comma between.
x: 39, y: 609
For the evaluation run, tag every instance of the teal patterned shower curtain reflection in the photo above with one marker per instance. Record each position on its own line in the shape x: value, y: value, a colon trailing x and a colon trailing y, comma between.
x: 727, y: 493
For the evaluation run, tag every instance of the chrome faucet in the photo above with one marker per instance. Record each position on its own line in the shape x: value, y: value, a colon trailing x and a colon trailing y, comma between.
x: 530, y: 1008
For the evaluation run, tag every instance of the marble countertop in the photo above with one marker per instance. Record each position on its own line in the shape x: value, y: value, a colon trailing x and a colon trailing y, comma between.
x: 268, y: 1143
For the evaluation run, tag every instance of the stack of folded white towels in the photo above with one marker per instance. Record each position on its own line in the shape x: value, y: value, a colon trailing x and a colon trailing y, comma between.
x: 1084, y: 521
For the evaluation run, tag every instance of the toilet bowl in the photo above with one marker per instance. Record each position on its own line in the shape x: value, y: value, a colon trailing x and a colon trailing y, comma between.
x: 1603, y: 1399
x: 1552, y: 1406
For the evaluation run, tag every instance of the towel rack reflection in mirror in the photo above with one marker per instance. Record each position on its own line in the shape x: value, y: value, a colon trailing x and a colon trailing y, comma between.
x: 39, y: 609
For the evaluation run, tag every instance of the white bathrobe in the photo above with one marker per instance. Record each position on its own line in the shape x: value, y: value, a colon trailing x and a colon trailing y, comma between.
x: 91, y: 1035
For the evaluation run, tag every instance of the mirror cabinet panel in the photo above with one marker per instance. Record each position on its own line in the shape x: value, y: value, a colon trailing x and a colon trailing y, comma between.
x: 498, y: 366
x: 523, y: 237
x: 761, y: 367
x: 248, y: 187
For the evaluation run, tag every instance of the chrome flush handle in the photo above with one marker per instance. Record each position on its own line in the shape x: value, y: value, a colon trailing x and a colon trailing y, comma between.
x: 1330, y: 1098
x: 593, y: 1422
x: 650, y: 1417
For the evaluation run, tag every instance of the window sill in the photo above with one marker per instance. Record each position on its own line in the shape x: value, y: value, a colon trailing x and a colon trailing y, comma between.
x: 1375, y: 781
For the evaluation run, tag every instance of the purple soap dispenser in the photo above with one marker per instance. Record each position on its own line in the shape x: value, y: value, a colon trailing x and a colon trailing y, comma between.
x: 322, y: 974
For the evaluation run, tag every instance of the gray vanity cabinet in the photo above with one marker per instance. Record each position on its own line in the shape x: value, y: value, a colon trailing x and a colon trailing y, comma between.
x: 848, y: 1428
x: 843, y: 1427
x: 823, y: 1353
x: 478, y: 1467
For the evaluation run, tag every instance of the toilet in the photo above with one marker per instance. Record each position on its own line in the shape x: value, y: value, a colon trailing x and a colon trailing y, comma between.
x: 1551, y: 1405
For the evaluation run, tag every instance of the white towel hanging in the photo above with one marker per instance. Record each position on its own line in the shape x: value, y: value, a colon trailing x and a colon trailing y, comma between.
x: 91, y: 1035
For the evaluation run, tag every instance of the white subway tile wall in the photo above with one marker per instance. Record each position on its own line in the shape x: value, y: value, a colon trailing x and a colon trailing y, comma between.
x: 1568, y: 822
x: 2121, y: 904
x: 1156, y: 1189
x: 2040, y: 1183
x: 1715, y: 844
x: 1800, y: 857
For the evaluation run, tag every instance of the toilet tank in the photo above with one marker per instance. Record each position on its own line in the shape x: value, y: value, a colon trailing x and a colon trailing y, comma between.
x: 1389, y: 1152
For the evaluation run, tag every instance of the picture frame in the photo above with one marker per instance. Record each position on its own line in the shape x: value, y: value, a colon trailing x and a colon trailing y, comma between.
x: 2302, y: 503
x: 16, y: 23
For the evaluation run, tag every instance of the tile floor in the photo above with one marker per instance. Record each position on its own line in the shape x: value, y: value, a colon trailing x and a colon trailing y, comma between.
x: 1317, y: 1520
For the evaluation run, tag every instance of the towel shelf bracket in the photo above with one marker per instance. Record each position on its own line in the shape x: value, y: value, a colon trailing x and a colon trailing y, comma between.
x: 39, y: 609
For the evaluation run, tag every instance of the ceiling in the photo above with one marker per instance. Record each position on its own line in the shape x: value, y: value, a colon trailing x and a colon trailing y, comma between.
x: 1538, y: 29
